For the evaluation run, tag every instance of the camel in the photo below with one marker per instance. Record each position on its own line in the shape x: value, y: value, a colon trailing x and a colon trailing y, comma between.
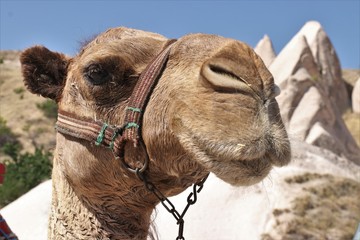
x: 212, y: 109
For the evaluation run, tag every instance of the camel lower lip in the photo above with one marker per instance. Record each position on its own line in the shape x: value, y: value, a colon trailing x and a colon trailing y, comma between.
x: 278, y: 161
x: 255, y: 165
x: 229, y: 165
x: 241, y: 172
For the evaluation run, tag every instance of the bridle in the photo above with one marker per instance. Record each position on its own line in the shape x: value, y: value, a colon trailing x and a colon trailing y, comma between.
x: 116, y: 137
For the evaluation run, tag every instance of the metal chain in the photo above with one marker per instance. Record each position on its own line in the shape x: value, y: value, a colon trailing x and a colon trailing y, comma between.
x: 168, y: 205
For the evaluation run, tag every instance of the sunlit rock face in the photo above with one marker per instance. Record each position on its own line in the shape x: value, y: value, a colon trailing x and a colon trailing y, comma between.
x: 356, y: 97
x: 314, y: 94
x: 265, y: 50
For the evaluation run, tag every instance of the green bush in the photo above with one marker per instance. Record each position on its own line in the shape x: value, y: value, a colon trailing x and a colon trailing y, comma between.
x: 12, y: 150
x: 49, y: 108
x: 7, y: 137
x: 20, y: 91
x: 4, y: 129
x: 23, y: 173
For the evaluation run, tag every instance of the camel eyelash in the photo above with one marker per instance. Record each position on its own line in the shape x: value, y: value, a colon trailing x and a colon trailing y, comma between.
x: 96, y: 74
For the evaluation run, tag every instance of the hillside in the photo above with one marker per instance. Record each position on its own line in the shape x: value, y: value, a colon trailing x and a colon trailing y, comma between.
x: 19, y: 107
x: 350, y: 76
x: 352, y: 120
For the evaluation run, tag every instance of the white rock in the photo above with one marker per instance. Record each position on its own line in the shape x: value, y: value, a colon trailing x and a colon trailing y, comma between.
x: 296, y: 54
x: 323, y: 66
x: 323, y: 135
x: 305, y: 114
x: 310, y: 31
x: 315, y: 121
x: 319, y: 136
x: 356, y: 97
x: 265, y: 50
x: 226, y: 212
x: 309, y: 75
x: 292, y: 93
x: 328, y: 64
x: 221, y: 212
x: 28, y: 215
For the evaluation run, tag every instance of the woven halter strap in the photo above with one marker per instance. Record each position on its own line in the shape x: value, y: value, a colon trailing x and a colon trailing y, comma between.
x: 115, y: 137
x: 141, y: 95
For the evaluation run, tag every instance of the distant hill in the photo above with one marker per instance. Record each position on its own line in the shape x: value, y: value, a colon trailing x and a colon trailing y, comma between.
x: 352, y: 120
x: 350, y: 76
x: 19, y: 107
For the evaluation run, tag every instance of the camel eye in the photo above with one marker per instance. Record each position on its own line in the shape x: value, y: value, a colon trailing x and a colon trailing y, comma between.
x: 96, y: 75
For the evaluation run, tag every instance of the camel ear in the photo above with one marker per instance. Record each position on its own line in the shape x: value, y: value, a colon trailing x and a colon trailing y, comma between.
x: 44, y: 71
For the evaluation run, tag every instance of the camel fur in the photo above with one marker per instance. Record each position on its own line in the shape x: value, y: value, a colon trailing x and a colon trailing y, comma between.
x: 213, y: 109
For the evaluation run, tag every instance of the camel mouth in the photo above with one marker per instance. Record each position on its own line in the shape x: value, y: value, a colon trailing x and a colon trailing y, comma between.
x: 241, y: 172
x: 239, y: 164
x: 253, y: 169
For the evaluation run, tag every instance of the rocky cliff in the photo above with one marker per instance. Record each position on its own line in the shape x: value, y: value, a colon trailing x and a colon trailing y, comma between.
x: 314, y: 95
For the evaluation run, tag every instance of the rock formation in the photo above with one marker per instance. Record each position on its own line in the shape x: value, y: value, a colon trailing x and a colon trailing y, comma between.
x: 356, y: 97
x: 301, y: 201
x: 28, y: 215
x: 328, y: 64
x: 316, y: 196
x: 314, y: 95
x: 265, y: 50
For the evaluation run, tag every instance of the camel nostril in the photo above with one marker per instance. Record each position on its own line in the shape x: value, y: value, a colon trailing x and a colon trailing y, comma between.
x: 222, y: 71
x: 220, y: 77
x: 276, y: 91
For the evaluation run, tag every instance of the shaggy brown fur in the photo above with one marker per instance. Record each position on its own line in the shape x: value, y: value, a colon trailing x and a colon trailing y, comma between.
x: 213, y: 109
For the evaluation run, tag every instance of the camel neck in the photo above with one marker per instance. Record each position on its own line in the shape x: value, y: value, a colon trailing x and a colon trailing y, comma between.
x: 95, y: 197
x: 96, y: 215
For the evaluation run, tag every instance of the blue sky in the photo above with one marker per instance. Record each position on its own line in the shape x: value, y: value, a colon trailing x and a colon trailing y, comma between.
x: 61, y: 25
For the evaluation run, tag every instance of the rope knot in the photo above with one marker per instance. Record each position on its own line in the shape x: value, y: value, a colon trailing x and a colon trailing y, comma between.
x: 101, y: 135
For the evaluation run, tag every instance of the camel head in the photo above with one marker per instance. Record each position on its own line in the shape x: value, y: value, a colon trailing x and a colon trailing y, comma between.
x: 213, y: 108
